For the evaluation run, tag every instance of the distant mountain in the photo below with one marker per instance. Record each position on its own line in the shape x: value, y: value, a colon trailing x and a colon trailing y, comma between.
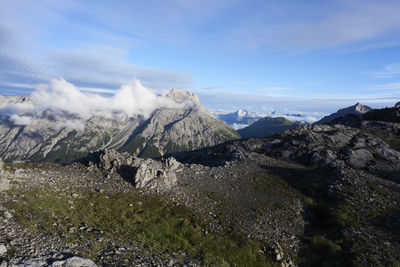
x: 357, y: 110
x: 267, y: 126
x: 64, y: 137
x: 239, y: 119
x: 242, y: 118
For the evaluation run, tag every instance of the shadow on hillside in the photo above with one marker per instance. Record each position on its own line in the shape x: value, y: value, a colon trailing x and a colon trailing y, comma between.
x: 322, y: 243
x: 127, y: 173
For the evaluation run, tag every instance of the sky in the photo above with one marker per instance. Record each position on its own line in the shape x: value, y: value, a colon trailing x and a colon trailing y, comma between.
x: 291, y: 56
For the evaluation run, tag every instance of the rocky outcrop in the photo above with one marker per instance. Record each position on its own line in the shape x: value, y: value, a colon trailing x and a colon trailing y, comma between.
x: 70, y: 262
x: 357, y: 110
x: 157, y: 175
x: 371, y: 146
x: 149, y: 174
x: 334, y: 145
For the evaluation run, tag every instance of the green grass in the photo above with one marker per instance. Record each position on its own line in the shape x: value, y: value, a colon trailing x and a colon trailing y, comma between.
x: 129, y: 218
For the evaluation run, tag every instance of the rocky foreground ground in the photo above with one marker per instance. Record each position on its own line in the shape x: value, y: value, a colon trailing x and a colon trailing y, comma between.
x: 311, y: 196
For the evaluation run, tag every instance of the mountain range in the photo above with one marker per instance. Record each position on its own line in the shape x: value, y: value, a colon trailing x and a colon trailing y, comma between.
x: 63, y: 137
x: 242, y: 118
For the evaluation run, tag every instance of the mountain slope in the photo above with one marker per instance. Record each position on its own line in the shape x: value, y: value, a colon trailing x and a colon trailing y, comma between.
x: 267, y: 126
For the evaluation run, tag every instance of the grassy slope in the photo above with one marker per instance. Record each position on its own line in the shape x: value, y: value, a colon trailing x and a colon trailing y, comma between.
x: 129, y: 219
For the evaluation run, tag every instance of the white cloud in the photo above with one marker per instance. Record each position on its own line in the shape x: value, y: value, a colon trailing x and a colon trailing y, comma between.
x: 21, y: 120
x: 71, y: 106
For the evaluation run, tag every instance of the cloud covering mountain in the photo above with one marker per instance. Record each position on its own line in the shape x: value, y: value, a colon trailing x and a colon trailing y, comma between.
x: 60, y: 98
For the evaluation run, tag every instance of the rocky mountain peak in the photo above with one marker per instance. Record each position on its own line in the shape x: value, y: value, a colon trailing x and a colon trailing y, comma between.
x: 361, y: 108
x: 181, y: 96
x: 397, y: 105
x: 357, y: 110
x: 242, y: 113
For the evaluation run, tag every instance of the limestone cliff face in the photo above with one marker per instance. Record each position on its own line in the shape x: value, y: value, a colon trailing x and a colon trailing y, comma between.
x: 63, y: 137
x: 171, y: 130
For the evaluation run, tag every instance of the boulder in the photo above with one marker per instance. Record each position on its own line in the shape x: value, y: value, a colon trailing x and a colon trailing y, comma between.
x: 3, y: 249
x: 152, y: 174
x: 359, y: 158
x: 4, y: 184
x: 79, y: 262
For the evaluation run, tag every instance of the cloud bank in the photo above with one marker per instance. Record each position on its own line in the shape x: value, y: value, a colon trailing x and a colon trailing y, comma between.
x: 64, y: 101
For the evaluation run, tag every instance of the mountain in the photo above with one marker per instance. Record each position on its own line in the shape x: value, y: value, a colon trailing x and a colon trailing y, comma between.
x: 357, y: 110
x: 389, y: 114
x: 267, y: 126
x: 64, y: 137
x: 238, y: 119
x: 172, y: 130
x: 242, y: 118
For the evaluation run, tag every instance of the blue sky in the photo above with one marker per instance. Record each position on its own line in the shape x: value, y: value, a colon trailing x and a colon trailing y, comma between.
x: 260, y: 55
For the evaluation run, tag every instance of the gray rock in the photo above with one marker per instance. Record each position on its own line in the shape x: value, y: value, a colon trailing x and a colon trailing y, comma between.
x: 397, y: 105
x: 79, y: 262
x: 359, y: 158
x: 328, y: 156
x: 152, y: 174
x: 58, y: 264
x: 4, y: 184
x: 3, y: 249
x: 29, y: 263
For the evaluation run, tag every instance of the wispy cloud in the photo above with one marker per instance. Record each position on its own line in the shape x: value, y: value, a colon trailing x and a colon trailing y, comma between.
x: 276, y: 88
x: 329, y: 25
x: 212, y: 87
x: 85, y: 54
x: 386, y: 87
x: 241, y: 83
x: 387, y: 72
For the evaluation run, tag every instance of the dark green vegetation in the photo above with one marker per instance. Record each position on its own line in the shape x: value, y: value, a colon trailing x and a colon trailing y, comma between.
x: 96, y: 221
x: 133, y: 145
x: 74, y: 146
x: 267, y: 126
x: 385, y: 114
